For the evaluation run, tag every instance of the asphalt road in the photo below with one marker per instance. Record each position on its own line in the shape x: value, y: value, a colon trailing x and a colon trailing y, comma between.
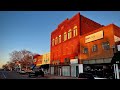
x: 11, y: 75
x: 15, y: 75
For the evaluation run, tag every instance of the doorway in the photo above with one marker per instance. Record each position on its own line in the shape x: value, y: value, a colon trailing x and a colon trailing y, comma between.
x: 77, y: 71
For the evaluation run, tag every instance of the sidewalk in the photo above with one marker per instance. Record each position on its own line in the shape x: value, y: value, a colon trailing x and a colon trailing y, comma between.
x: 59, y: 77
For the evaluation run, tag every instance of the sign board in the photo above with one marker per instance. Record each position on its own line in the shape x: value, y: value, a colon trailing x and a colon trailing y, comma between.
x: 80, y: 68
x: 118, y: 47
x: 73, y: 61
x: 93, y: 37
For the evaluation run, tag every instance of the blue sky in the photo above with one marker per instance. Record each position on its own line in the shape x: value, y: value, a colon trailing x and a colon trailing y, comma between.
x: 31, y: 30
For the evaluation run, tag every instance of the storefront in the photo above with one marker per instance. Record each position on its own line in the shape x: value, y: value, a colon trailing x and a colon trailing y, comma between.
x: 103, y: 70
x: 76, y: 68
x: 46, y: 63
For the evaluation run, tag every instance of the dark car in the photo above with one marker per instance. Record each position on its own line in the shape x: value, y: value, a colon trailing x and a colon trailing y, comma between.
x: 36, y: 72
x: 86, y: 76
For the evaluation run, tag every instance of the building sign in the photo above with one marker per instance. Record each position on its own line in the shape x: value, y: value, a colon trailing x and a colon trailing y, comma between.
x: 93, y: 37
x: 118, y: 47
x: 73, y: 61
x: 117, y: 39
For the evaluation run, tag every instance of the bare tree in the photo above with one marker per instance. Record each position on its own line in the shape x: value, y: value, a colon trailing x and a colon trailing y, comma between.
x: 16, y: 56
x: 5, y: 67
x: 24, y: 57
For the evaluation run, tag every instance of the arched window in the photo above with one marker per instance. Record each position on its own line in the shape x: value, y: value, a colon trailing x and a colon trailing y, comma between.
x: 75, y: 31
x: 53, y: 41
x: 56, y: 40
x: 65, y: 36
x: 69, y: 33
x: 59, y: 40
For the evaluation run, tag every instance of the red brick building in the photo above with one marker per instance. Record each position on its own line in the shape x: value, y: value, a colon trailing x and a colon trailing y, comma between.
x: 97, y: 46
x: 97, y: 49
x: 78, y: 41
x: 65, y: 43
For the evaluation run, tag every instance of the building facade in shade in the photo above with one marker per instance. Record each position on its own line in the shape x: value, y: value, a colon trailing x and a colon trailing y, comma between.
x: 97, y: 49
x: 99, y: 45
x: 65, y: 44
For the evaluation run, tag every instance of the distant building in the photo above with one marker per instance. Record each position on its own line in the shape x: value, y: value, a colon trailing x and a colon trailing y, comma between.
x: 37, y: 59
x: 46, y: 62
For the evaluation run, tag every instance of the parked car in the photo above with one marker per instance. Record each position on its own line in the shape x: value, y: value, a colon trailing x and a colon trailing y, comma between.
x: 96, y: 77
x: 28, y: 71
x: 89, y: 76
x: 22, y: 72
x: 86, y: 76
x: 36, y: 72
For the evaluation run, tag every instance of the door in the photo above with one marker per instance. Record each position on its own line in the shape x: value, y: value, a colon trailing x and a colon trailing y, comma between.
x: 77, y: 71
x: 60, y: 71
x: 52, y: 70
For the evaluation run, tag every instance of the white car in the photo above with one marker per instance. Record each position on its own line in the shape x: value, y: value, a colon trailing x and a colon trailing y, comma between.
x: 99, y: 78
x: 96, y: 77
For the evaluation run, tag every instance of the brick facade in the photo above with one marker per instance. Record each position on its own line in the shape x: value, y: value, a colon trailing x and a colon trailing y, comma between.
x: 108, y: 36
x: 71, y: 47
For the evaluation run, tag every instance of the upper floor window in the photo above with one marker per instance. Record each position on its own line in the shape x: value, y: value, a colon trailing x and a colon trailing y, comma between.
x: 69, y: 34
x: 56, y: 40
x: 59, y: 40
x: 85, y: 50
x: 106, y: 45
x: 65, y: 36
x: 75, y: 31
x: 53, y: 41
x: 94, y: 48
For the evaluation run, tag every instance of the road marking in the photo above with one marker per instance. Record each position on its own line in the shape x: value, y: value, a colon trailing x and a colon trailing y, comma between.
x: 4, y: 75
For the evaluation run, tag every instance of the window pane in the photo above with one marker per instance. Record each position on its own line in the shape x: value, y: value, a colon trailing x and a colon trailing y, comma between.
x: 56, y: 40
x: 94, y: 48
x: 106, y: 45
x: 53, y: 42
x: 73, y: 33
x: 59, y: 39
x: 76, y: 32
x: 65, y: 36
x: 68, y: 35
x: 85, y: 50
